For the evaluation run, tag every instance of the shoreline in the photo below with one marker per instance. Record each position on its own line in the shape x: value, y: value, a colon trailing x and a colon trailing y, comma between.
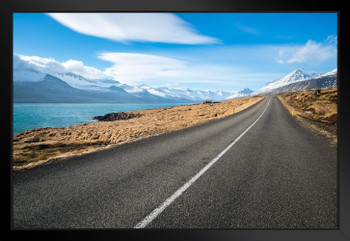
x: 43, y: 145
x: 81, y: 113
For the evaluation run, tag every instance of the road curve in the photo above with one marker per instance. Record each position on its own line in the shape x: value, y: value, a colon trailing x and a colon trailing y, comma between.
x: 278, y: 174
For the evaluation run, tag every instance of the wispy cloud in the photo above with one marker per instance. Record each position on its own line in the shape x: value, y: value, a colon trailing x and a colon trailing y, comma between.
x: 312, y: 53
x: 247, y: 29
x: 135, y: 67
x: 132, y: 68
x: 140, y: 27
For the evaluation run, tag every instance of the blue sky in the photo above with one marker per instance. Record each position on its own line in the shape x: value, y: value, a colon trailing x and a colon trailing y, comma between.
x: 216, y: 51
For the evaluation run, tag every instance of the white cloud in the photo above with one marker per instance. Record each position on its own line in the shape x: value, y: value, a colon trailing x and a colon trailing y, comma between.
x: 135, y: 68
x: 79, y: 68
x: 50, y: 65
x: 143, y: 27
x: 331, y: 39
x: 312, y: 53
x: 36, y: 63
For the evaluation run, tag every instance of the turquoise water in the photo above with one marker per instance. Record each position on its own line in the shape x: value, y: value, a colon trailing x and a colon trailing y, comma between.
x: 28, y: 116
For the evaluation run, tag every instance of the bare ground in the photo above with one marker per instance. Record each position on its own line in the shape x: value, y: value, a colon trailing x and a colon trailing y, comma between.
x: 40, y: 145
x: 319, y: 112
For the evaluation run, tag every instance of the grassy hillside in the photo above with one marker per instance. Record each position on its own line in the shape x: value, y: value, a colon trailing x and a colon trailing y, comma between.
x: 319, y: 111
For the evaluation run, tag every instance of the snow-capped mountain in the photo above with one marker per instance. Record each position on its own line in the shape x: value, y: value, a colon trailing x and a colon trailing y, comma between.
x: 32, y: 77
x: 32, y: 85
x: 240, y: 94
x: 165, y: 92
x: 293, y: 77
x: 51, y: 89
x: 330, y: 73
x: 327, y: 80
x: 27, y: 75
x: 197, y: 95
x: 80, y: 82
x: 74, y: 80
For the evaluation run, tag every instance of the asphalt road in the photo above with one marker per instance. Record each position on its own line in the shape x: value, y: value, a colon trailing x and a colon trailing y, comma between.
x: 277, y: 174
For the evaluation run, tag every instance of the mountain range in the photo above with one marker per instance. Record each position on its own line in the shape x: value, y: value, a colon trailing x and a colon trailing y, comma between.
x: 299, y: 80
x: 33, y: 86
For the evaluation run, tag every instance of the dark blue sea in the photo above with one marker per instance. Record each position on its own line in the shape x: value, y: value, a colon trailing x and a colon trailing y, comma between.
x: 28, y: 116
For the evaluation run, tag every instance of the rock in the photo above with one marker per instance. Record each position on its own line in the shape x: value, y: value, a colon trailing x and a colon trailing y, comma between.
x: 116, y: 116
x: 317, y: 92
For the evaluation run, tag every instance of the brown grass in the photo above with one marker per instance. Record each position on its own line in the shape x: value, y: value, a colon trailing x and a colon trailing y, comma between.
x: 40, y: 145
x: 317, y: 112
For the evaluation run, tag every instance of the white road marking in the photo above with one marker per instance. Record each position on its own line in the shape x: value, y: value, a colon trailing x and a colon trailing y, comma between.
x: 147, y: 220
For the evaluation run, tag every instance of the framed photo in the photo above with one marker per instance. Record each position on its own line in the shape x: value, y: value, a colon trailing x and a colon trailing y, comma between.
x: 209, y: 120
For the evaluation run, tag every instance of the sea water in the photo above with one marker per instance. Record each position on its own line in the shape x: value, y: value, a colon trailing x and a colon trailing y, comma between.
x: 33, y: 115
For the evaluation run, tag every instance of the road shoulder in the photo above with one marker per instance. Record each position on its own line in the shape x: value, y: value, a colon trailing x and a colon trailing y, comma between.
x: 325, y: 130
